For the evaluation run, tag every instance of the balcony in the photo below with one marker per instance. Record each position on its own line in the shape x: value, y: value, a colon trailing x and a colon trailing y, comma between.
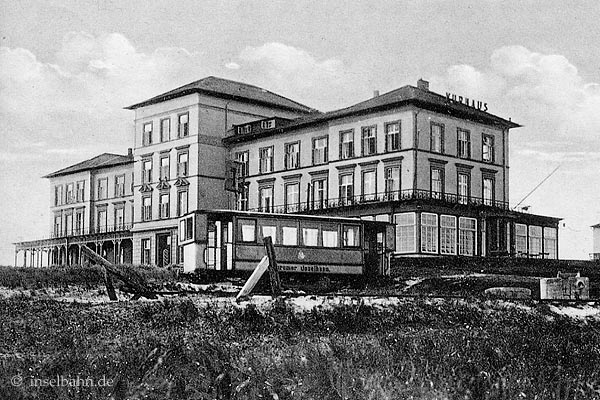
x: 383, y: 197
x: 91, y: 230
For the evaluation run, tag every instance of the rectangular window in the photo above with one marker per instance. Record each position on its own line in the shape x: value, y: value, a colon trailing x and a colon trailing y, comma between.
x: 163, y: 211
x: 183, y: 125
x: 329, y: 235
x: 392, y: 136
x: 392, y: 182
x: 369, y: 185
x: 351, y: 235
x: 320, y: 150
x: 310, y: 236
x: 369, y: 140
x: 292, y: 197
x: 429, y: 233
x: 447, y: 234
x: 346, y: 144
x: 186, y: 229
x: 463, y: 188
x: 269, y: 231
x: 319, y: 194
x: 535, y: 240
x: 266, y: 159
x: 58, y: 195
x: 550, y: 243
x: 289, y: 235
x: 437, y: 182
x: 101, y: 222
x: 165, y: 129
x: 463, y: 143
x: 521, y: 240
x: 437, y: 138
x: 119, y: 218
x: 70, y: 193
x: 102, y: 188
x: 79, y: 222
x: 467, y: 230
x: 182, y: 202
x: 69, y: 224
x: 243, y: 157
x: 182, y: 164
x: 265, y: 199
x: 57, y: 225
x: 406, y: 231
x: 248, y: 230
x: 164, y: 168
x: 120, y: 186
x: 147, y: 134
x: 147, y: 208
x: 292, y: 155
x: 147, y: 171
x: 145, y: 246
x: 488, y: 191
x: 487, y: 152
x: 242, y: 198
x: 80, y: 191
x: 346, y: 188
x: 269, y: 124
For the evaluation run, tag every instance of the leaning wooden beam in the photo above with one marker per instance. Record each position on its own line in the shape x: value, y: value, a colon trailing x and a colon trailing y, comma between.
x: 138, y: 287
x: 273, y: 270
x: 110, y: 288
x: 253, y: 280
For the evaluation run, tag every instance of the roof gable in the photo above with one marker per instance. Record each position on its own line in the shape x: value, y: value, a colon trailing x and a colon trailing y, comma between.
x: 101, y: 161
x: 228, y: 89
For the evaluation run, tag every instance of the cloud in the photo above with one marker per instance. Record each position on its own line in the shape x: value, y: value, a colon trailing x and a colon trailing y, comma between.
x: 544, y: 92
x: 283, y: 68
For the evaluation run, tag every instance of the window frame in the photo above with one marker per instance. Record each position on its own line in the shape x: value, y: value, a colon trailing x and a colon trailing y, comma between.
x: 463, y: 148
x: 492, y: 151
x: 387, y: 135
x: 98, y: 182
x: 164, y: 176
x: 186, y: 131
x: 119, y: 193
x: 371, y: 196
x: 345, y: 197
x: 344, y: 238
x: 363, y: 130
x: 453, y: 231
x: 442, y: 180
x: 287, y: 205
x: 261, y: 169
x: 147, y: 173
x: 463, y: 199
x: 164, y: 214
x: 146, y: 208
x: 180, y: 195
x: 240, y: 231
x: 162, y: 130
x: 442, y: 137
x: 492, y: 200
x: 262, y: 189
x: 351, y: 147
x: 325, y: 151
x: 429, y: 231
x: 286, y: 154
x: 473, y: 232
x: 147, y: 135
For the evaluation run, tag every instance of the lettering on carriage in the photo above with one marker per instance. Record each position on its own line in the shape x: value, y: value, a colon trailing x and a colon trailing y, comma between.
x: 304, y: 268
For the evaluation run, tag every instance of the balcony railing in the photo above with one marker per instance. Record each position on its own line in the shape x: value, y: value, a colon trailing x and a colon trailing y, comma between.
x: 91, y: 230
x: 382, y: 197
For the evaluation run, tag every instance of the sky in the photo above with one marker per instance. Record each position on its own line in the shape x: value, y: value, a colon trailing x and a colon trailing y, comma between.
x: 67, y: 69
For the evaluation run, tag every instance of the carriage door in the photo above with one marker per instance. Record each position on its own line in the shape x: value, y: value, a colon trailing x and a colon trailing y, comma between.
x: 220, y: 245
x: 376, y: 261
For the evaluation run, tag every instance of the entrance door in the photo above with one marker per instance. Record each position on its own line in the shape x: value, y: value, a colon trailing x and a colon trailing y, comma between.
x: 376, y: 262
x: 163, y: 250
x: 220, y: 245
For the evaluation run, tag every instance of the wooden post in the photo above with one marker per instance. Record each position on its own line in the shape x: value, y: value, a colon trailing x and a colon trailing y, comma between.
x: 273, y: 270
x: 110, y: 288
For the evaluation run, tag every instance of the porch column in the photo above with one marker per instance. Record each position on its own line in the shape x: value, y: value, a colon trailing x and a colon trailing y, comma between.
x: 79, y: 255
x: 16, y: 255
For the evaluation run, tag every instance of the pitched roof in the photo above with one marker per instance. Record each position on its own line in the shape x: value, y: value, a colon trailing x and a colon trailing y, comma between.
x: 101, y: 161
x: 227, y: 89
x: 595, y: 226
x: 405, y: 95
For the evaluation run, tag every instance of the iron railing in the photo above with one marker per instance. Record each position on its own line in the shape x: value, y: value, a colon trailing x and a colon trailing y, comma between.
x: 91, y: 230
x: 382, y: 197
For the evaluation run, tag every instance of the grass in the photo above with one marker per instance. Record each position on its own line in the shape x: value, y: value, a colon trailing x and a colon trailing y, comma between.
x: 417, y: 350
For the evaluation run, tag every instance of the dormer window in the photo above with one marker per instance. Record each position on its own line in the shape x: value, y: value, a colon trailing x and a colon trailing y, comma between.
x: 270, y: 124
x: 248, y: 129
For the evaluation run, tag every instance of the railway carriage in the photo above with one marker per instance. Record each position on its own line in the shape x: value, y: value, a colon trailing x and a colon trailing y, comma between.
x: 225, y: 240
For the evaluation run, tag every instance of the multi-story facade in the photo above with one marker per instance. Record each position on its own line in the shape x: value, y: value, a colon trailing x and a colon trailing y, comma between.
x: 434, y: 166
x: 91, y: 204
x: 595, y: 254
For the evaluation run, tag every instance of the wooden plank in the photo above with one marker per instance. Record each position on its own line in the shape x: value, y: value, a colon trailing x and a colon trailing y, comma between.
x: 254, y: 278
x: 110, y: 288
x: 138, y: 287
x: 273, y: 270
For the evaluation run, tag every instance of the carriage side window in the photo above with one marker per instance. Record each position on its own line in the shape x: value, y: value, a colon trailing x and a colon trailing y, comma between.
x: 310, y: 235
x: 269, y: 231
x: 351, y: 236
x: 289, y: 235
x: 330, y: 235
x: 247, y: 230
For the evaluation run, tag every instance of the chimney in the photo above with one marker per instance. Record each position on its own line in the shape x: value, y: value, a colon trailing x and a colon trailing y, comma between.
x: 130, y: 152
x: 423, y: 84
x: 375, y: 93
